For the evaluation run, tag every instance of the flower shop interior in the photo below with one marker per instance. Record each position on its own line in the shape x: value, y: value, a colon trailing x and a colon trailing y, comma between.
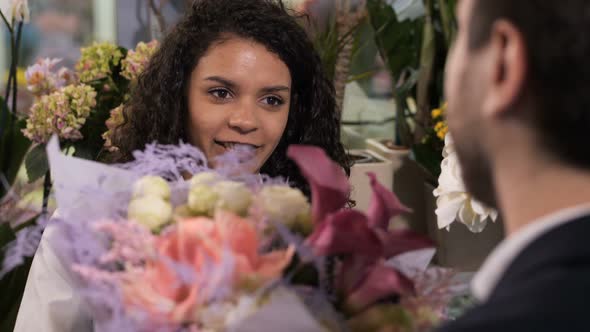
x: 386, y: 61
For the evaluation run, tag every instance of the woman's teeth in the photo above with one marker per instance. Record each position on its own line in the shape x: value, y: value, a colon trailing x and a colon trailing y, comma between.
x: 232, y: 145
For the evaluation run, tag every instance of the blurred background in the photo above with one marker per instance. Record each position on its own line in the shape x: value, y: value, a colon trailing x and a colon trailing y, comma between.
x: 58, y: 28
x: 385, y: 57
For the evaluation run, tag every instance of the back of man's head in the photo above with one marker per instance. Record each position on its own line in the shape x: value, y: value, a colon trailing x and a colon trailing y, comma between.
x: 558, y: 75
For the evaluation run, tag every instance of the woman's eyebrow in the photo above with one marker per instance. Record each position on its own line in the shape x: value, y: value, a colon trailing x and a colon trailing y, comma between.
x: 224, y: 81
x: 275, y: 88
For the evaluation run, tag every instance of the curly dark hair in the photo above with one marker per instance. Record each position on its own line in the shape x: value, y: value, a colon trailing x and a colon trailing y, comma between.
x: 158, y: 111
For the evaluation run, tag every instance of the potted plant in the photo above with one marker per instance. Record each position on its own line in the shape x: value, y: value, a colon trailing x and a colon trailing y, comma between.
x: 414, y: 38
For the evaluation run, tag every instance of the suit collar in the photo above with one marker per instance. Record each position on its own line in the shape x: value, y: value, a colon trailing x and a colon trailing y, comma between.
x: 529, y: 247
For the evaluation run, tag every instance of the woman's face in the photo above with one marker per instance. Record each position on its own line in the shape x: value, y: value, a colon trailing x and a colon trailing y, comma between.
x: 239, y: 94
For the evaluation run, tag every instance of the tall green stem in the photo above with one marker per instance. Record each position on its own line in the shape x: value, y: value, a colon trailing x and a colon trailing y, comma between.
x: 46, y: 191
x: 10, y: 69
x: 15, y: 67
x: 6, y: 22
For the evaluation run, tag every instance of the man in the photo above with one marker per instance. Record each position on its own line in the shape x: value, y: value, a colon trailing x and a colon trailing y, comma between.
x: 518, y: 91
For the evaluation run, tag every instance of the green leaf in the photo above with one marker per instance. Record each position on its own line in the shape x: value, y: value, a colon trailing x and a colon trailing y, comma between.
x: 427, y: 68
x: 429, y: 159
x: 398, y: 42
x: 13, y: 145
x: 3, y: 111
x: 81, y: 151
x: 447, y: 17
x: 20, y: 145
x: 36, y: 163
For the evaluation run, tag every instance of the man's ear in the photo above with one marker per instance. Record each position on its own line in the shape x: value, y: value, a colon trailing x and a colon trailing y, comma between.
x: 507, y: 65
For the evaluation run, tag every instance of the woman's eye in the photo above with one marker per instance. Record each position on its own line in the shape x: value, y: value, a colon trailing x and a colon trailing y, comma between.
x: 273, y: 101
x: 220, y: 93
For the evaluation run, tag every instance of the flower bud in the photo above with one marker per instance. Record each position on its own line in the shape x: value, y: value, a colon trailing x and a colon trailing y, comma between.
x: 202, y: 200
x: 233, y: 197
x: 151, y: 186
x: 204, y: 178
x: 286, y: 205
x: 150, y: 211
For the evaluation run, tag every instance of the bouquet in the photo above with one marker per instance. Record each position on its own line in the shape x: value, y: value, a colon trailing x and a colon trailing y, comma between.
x: 165, y: 243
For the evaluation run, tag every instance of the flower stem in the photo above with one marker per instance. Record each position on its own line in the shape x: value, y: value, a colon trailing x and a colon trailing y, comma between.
x: 328, y: 278
x: 8, y: 123
x: 6, y: 22
x: 15, y: 66
x: 46, y: 191
x: 10, y: 70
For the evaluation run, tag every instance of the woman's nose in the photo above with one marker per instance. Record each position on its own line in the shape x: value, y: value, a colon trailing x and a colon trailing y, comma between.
x: 243, y: 118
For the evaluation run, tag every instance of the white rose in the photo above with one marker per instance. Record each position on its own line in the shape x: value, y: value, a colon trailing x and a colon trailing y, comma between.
x: 202, y: 200
x: 150, y: 211
x: 204, y: 178
x: 453, y: 201
x: 233, y: 197
x: 205, y: 199
x: 151, y: 186
x: 285, y: 204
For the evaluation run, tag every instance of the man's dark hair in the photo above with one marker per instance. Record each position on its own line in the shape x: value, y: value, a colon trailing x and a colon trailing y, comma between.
x: 558, y: 76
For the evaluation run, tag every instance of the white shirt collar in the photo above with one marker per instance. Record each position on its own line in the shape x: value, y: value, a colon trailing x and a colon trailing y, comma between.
x: 494, y: 267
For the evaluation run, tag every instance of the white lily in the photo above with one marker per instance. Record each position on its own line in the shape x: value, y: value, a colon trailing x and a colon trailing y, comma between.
x: 453, y: 201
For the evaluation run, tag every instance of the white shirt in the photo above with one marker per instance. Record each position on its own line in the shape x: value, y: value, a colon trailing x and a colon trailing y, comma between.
x: 50, y: 302
x: 499, y: 260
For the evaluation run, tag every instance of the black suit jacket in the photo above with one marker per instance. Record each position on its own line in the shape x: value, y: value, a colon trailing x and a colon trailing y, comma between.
x: 545, y: 289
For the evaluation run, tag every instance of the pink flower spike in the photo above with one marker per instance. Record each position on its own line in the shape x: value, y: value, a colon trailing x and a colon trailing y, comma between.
x: 398, y: 242
x: 381, y: 282
x: 329, y: 185
x: 384, y: 205
x: 345, y: 232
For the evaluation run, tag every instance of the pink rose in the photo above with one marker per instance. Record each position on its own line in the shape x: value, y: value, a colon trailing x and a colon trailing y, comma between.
x: 200, y: 261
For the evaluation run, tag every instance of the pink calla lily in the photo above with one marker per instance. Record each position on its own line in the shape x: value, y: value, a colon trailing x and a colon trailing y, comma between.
x: 364, y: 242
x: 380, y: 281
x: 399, y: 241
x: 384, y: 204
x: 345, y: 232
x: 329, y: 185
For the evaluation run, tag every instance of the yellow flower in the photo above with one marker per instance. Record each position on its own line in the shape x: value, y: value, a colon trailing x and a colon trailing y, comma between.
x: 442, y: 131
x: 437, y: 112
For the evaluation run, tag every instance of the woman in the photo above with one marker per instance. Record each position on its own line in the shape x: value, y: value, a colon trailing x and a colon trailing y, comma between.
x: 231, y: 72
x: 236, y: 72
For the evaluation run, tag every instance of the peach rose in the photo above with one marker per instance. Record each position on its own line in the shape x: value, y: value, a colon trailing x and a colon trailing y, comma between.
x: 219, y: 256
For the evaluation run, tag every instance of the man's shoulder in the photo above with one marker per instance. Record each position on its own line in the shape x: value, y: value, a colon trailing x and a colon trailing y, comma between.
x: 559, y: 254
x: 546, y: 288
x: 539, y: 307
